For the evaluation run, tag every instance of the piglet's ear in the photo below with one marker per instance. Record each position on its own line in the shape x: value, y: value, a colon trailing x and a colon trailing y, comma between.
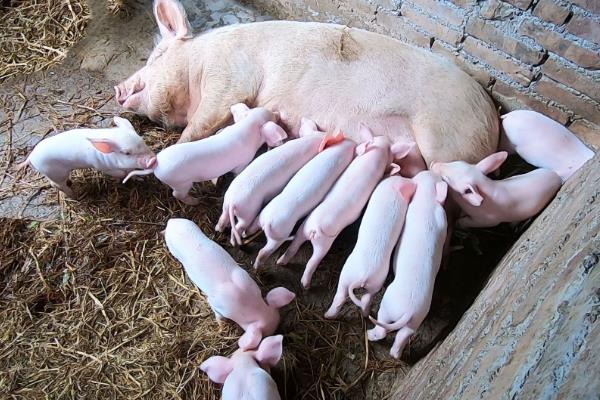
x: 407, y: 188
x: 441, y: 191
x: 123, y: 123
x: 307, y: 127
x: 279, y: 297
x: 273, y: 134
x: 172, y: 20
x: 270, y: 350
x: 394, y: 169
x: 330, y: 140
x: 361, y: 148
x: 217, y: 368
x: 366, y: 134
x: 492, y: 162
x: 401, y: 149
x: 239, y: 111
x: 104, y: 145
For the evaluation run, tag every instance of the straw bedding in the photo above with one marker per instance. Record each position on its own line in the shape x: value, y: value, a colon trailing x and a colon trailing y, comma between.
x: 36, y: 34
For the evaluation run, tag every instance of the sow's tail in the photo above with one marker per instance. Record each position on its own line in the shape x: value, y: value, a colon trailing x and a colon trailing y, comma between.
x: 138, y: 172
x: 404, y: 319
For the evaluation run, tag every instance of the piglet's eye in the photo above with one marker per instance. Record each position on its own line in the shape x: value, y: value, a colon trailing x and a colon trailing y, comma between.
x: 127, y: 153
x: 468, y: 191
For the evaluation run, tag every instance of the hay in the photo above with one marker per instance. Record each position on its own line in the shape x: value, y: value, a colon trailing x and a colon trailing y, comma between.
x: 36, y: 34
x: 92, y: 305
x: 115, y: 6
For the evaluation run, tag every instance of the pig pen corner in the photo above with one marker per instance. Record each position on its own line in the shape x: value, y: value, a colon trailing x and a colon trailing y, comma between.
x: 93, y: 303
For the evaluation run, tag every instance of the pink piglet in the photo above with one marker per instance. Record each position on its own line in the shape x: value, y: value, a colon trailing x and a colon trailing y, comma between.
x: 486, y: 202
x: 230, y: 291
x: 114, y: 151
x: 543, y: 142
x: 303, y: 192
x: 416, y: 262
x: 264, y: 178
x: 346, y: 199
x: 180, y: 165
x: 245, y: 374
x: 369, y: 263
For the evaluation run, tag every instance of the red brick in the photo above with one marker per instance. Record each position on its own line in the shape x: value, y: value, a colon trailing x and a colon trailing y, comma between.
x: 495, y: 9
x: 564, y: 73
x: 436, y: 29
x: 489, y: 33
x: 452, y: 15
x: 585, y: 27
x: 553, y: 41
x: 587, y: 131
x: 590, y: 5
x: 511, y: 98
x: 551, y: 11
x: 397, y: 27
x: 579, y: 104
x: 498, y: 60
x: 522, y: 4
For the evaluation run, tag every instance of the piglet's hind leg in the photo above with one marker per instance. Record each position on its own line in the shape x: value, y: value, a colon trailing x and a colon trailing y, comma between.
x: 400, y: 341
x: 182, y: 193
x: 338, y: 301
x: 321, y: 245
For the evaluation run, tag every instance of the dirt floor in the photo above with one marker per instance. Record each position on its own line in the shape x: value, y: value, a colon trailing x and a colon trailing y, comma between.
x: 91, y: 303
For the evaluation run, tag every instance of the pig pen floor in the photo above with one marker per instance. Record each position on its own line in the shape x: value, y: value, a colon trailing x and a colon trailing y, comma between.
x: 91, y: 303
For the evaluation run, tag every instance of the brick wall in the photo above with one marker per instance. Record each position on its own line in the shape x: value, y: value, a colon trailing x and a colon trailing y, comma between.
x: 536, y: 54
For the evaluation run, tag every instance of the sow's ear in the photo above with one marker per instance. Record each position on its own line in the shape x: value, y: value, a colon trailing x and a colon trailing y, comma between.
x: 270, y: 350
x: 172, y: 20
x: 217, y: 368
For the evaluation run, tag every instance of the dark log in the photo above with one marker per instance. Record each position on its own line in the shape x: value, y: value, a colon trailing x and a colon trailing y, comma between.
x: 533, y: 332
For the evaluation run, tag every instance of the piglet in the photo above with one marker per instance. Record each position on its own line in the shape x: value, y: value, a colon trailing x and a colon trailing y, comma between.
x: 543, y: 142
x: 180, y: 165
x: 416, y: 263
x: 245, y: 374
x: 346, y: 199
x: 264, y: 178
x: 369, y: 263
x: 230, y: 291
x: 114, y: 151
x: 303, y: 192
x: 486, y: 202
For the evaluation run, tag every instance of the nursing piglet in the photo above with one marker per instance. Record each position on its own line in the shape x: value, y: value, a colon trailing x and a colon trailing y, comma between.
x: 264, y: 178
x: 181, y: 165
x: 543, y: 142
x: 416, y: 263
x: 245, y: 374
x: 303, y: 192
x: 346, y: 199
x: 369, y: 263
x: 230, y: 291
x: 114, y: 151
x: 486, y: 202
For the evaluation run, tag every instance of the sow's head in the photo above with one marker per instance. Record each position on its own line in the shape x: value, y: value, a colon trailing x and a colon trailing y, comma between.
x: 161, y: 87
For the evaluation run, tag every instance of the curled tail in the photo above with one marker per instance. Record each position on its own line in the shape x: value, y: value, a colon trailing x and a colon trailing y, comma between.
x: 404, y: 319
x: 23, y: 165
x: 356, y: 300
x: 138, y: 172
x: 234, y: 229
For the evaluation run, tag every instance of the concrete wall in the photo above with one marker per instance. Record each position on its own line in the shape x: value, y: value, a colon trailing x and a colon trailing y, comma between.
x: 538, y: 54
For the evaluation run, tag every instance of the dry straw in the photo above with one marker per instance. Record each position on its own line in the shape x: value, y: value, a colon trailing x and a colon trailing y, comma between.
x: 92, y: 305
x: 36, y: 34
